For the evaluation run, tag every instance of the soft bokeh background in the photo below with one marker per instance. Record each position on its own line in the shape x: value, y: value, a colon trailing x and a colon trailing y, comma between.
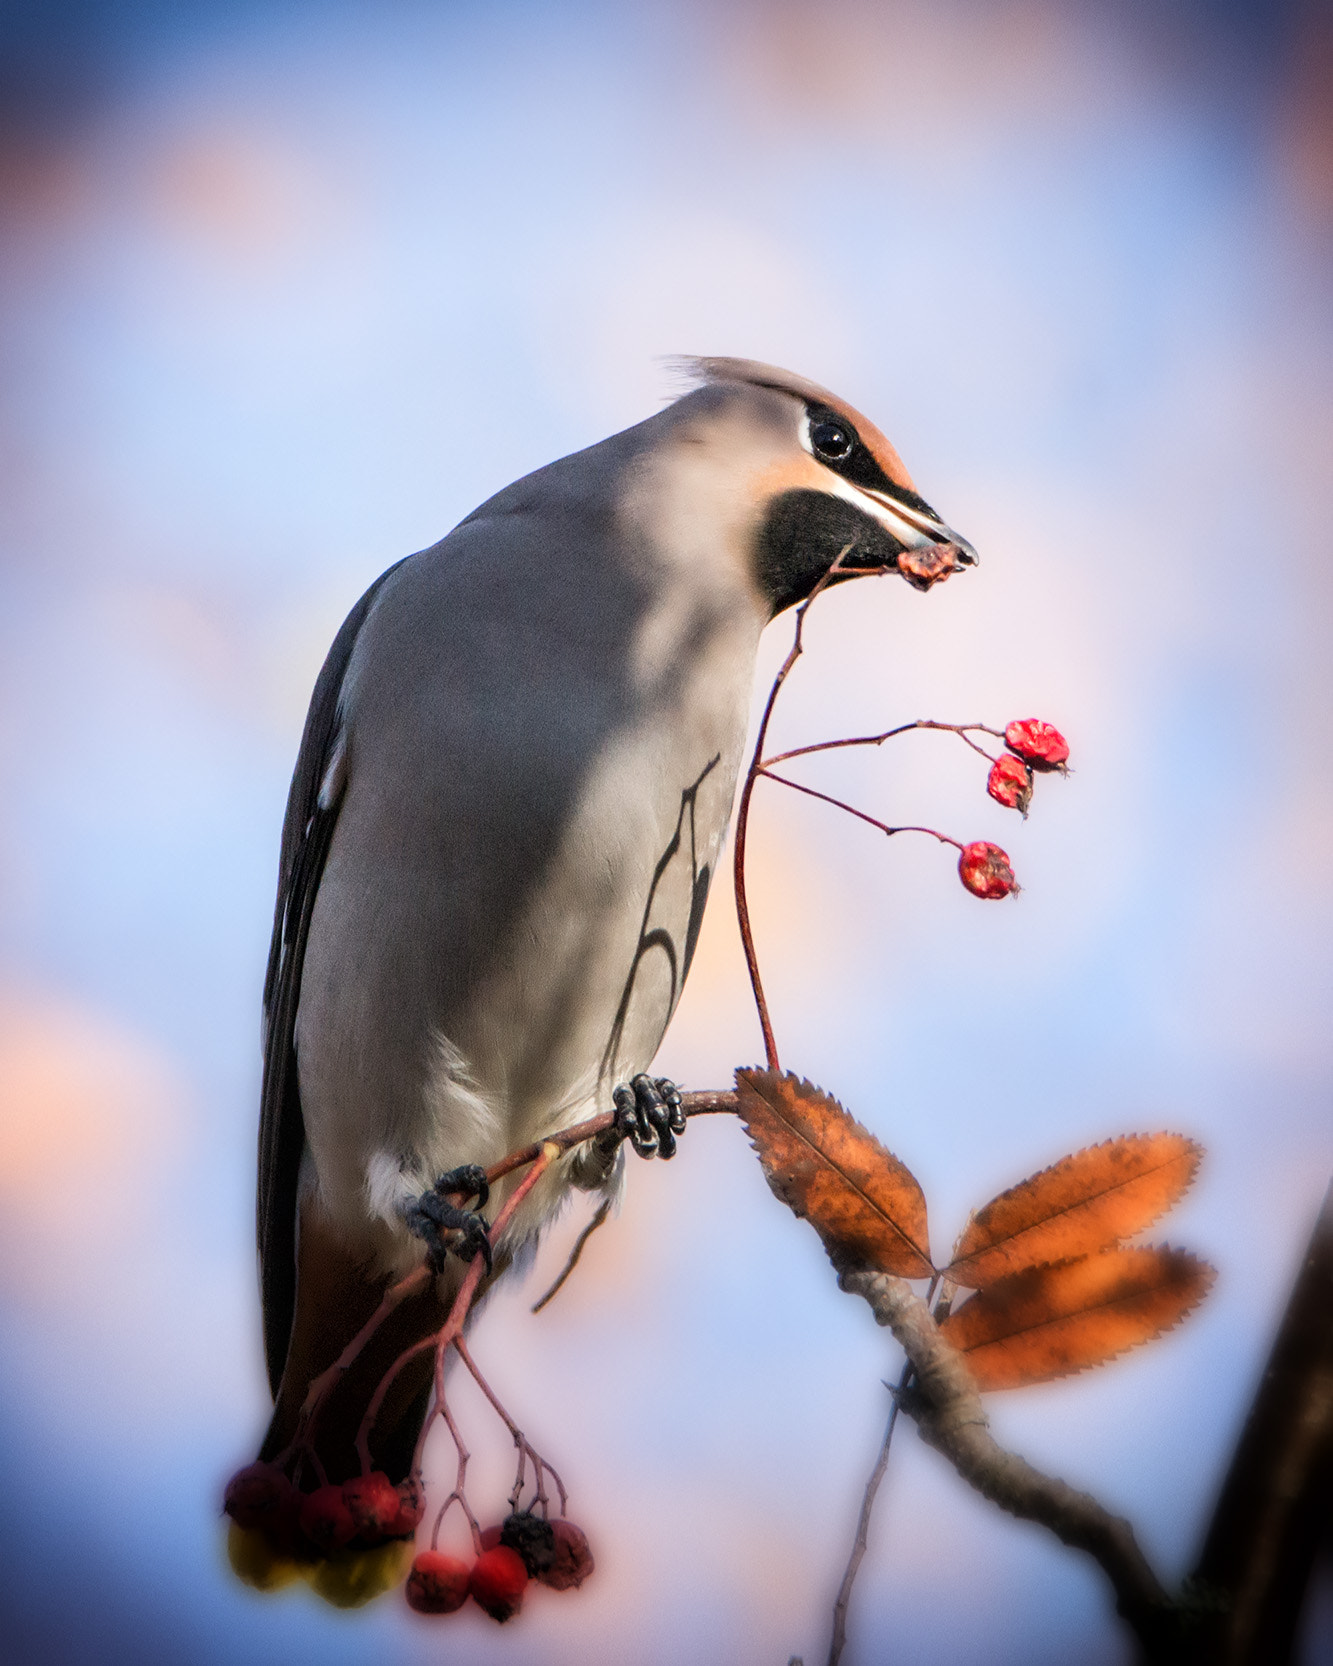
x: 287, y: 290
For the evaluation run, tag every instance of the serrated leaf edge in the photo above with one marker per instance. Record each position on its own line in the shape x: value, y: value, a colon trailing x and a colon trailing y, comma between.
x: 805, y: 1082
x: 1195, y: 1153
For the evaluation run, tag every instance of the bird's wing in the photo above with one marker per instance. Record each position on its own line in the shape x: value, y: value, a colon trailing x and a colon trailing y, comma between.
x: 312, y: 810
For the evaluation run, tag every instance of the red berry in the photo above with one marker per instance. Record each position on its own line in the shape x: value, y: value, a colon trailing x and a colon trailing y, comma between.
x: 490, y: 1537
x: 260, y: 1496
x: 437, y: 1583
x: 928, y: 564
x: 326, y: 1521
x: 572, y: 1562
x: 533, y: 1537
x: 411, y: 1508
x: 374, y: 1502
x: 985, y: 870
x: 497, y: 1582
x: 1010, y: 783
x: 1037, y: 743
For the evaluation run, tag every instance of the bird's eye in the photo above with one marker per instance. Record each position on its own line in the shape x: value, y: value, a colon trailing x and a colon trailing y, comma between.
x: 831, y: 440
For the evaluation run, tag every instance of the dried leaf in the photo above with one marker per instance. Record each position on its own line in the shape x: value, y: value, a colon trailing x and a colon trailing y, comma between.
x: 1077, y: 1206
x: 829, y: 1169
x: 1047, y: 1322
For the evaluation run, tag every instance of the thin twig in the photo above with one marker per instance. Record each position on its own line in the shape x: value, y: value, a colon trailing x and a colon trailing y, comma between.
x: 603, y: 1210
x: 960, y: 729
x: 839, y: 1639
x: 703, y: 1103
x: 743, y: 809
x: 320, y: 1386
x: 527, y: 1452
x: 458, y: 1313
x: 698, y: 1103
x: 861, y: 815
x: 949, y: 1416
x: 459, y: 1493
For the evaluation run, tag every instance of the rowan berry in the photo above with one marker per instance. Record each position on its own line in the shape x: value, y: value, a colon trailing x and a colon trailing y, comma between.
x: 1010, y: 783
x: 326, y: 1521
x: 411, y: 1508
x: 259, y: 1496
x: 1037, y: 743
x: 437, y: 1584
x: 498, y: 1581
x: 928, y: 564
x: 374, y: 1502
x: 572, y: 1560
x: 532, y: 1537
x: 984, y: 869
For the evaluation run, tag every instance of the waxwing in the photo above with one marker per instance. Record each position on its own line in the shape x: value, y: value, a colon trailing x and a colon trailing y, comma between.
x: 512, y: 791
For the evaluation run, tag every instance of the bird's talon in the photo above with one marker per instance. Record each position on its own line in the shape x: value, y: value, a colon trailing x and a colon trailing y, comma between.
x: 649, y: 1114
x: 469, y: 1180
x: 442, y: 1227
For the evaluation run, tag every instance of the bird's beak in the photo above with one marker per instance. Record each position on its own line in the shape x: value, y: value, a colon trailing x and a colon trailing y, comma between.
x: 915, y: 528
x: 930, y: 549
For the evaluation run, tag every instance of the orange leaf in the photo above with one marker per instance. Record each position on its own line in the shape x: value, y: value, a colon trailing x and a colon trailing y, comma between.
x: 1049, y: 1322
x: 829, y: 1169
x: 1080, y: 1204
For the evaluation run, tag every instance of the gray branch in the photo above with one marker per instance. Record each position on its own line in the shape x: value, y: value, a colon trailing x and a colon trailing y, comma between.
x: 947, y: 1410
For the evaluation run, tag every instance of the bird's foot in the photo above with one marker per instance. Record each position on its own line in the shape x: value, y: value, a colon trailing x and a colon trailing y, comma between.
x: 443, y: 1226
x: 648, y: 1114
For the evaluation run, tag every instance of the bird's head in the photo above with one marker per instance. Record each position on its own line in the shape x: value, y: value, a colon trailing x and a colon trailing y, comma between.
x: 816, y: 480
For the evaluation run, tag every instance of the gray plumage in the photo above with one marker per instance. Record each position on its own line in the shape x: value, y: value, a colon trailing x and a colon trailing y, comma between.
x: 512, y: 792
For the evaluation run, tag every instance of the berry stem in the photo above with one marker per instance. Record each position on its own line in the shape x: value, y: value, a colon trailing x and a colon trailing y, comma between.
x: 747, y: 792
x: 603, y: 1210
x: 460, y: 1477
x: 861, y: 815
x: 962, y: 730
x: 706, y: 1103
x: 527, y: 1452
x: 458, y: 1313
x: 324, y: 1382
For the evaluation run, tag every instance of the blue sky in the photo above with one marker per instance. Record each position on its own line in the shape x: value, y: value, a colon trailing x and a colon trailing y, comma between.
x: 288, y: 290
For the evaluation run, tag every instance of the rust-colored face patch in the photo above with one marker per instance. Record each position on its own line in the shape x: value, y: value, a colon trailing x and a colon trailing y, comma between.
x: 874, y: 442
x: 786, y: 381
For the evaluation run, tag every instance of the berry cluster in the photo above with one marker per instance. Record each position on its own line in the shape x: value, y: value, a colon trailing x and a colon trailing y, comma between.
x: 1034, y: 748
x: 524, y: 1547
x: 350, y: 1540
x: 361, y: 1513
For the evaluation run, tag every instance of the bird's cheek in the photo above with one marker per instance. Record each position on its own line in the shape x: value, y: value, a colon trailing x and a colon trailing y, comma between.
x: 803, y: 532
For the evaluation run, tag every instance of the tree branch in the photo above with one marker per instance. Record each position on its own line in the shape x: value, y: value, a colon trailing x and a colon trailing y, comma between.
x: 1274, y: 1503
x: 947, y: 1410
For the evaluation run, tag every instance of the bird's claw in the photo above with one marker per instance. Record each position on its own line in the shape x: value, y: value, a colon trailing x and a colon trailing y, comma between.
x: 442, y: 1226
x: 467, y: 1181
x: 649, y: 1115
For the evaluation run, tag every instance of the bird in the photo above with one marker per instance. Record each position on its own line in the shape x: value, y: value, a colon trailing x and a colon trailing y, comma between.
x: 512, y: 791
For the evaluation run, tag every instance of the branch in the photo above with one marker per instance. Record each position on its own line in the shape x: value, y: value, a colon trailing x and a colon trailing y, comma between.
x: 860, y: 815
x: 747, y: 792
x: 861, y: 1543
x: 603, y: 1210
x: 704, y: 1102
x: 962, y: 730
x: 1274, y: 1503
x: 947, y: 1410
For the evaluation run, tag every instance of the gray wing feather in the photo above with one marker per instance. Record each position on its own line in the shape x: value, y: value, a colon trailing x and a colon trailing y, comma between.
x: 306, y: 832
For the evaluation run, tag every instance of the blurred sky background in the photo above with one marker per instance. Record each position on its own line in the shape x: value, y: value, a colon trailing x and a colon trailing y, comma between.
x: 288, y: 288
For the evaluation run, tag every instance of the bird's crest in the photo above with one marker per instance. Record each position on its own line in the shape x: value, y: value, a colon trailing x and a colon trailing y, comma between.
x: 699, y: 372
